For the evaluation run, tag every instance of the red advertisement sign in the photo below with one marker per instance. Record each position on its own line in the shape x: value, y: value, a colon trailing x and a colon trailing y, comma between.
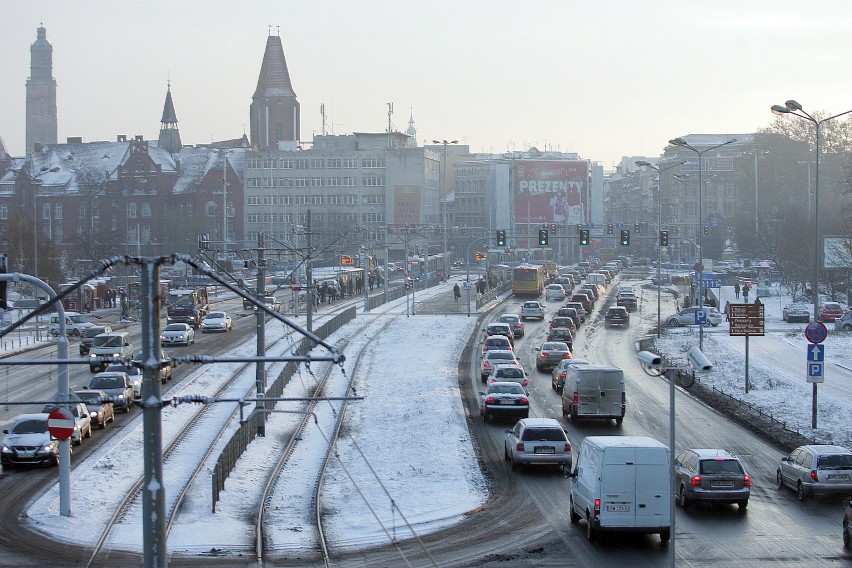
x: 551, y: 191
x: 406, y: 204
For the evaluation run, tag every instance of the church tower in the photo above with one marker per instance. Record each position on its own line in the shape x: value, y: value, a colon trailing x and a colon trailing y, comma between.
x: 169, y: 133
x: 274, y: 112
x: 41, y: 94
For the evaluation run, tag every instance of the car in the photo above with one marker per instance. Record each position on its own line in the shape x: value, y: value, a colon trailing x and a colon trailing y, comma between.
x: 217, y: 321
x: 626, y: 288
x: 595, y: 291
x: 512, y: 374
x: 554, y: 292
x: 550, y: 354
x: 627, y: 300
x: 563, y: 321
x: 816, y: 469
x: 581, y: 310
x: 504, y: 398
x: 499, y: 342
x: 458, y: 263
x: 557, y: 375
x: 844, y: 323
x: 617, y: 315
x: 272, y: 303
x: 847, y: 524
x: 117, y: 385
x: 830, y: 311
x: 28, y: 442
x: 82, y: 420
x: 712, y: 475
x: 570, y: 313
x: 537, y: 441
x: 532, y: 309
x: 88, y: 334
x: 178, y: 334
x: 567, y: 282
x: 561, y: 334
x: 514, y: 320
x: 101, y: 410
x: 796, y: 312
x: 584, y: 299
x: 687, y: 317
x: 492, y: 358
x: 499, y: 328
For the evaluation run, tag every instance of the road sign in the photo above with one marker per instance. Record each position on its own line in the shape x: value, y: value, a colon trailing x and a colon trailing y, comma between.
x: 746, y: 319
x: 815, y: 372
x: 816, y: 352
x: 467, y: 285
x: 700, y: 317
x: 295, y: 285
x: 816, y: 332
x: 711, y: 283
x: 60, y: 423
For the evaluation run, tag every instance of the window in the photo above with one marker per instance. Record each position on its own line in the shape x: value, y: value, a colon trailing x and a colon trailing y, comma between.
x: 254, y: 163
x: 350, y: 182
x: 253, y: 218
x: 146, y: 209
x: 373, y: 163
x: 4, y: 211
x: 286, y: 164
x: 334, y: 163
x: 350, y: 163
x: 302, y: 163
x: 332, y: 182
x: 318, y: 200
x: 253, y: 182
x: 375, y: 199
x: 333, y: 199
x: 131, y: 210
x: 317, y: 163
x: 301, y: 200
x: 350, y: 200
x: 253, y: 200
x: 317, y: 182
x: 302, y: 182
x: 373, y: 180
x: 210, y: 209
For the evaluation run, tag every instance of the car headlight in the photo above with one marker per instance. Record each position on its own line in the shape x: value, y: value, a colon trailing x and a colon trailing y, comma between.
x: 6, y: 450
x: 93, y: 414
x: 121, y: 397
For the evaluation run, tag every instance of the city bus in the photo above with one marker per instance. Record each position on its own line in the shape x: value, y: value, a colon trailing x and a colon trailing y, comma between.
x: 528, y: 280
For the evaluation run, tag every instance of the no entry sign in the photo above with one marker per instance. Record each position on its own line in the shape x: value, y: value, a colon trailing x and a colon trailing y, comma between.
x: 60, y: 423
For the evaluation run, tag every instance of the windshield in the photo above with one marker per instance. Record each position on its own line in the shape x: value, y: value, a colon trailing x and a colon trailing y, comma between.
x: 506, y: 389
x: 79, y: 318
x: 30, y: 427
x: 544, y: 434
x: 107, y: 341
x: 114, y: 382
x: 215, y: 315
x: 175, y: 327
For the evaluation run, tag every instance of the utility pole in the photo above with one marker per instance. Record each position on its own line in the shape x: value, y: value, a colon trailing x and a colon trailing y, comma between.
x: 260, y: 369
x: 309, y: 277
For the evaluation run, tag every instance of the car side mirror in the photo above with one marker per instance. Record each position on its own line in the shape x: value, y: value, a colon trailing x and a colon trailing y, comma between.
x: 785, y: 458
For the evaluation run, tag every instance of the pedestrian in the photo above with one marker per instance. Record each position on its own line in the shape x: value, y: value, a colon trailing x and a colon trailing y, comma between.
x: 757, y: 301
x: 727, y: 311
x: 737, y: 290
x: 456, y: 291
x: 746, y: 289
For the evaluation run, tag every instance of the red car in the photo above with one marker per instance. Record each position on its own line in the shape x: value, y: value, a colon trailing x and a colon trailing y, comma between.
x: 830, y: 311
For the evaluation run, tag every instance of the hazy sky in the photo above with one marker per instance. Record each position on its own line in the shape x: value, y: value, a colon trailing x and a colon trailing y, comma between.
x: 602, y: 78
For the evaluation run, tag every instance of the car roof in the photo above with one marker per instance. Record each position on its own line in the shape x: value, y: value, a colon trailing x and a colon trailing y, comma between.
x: 825, y: 449
x: 35, y: 416
x: 554, y: 345
x: 498, y: 351
x: 498, y: 338
x: 710, y: 453
x: 541, y: 423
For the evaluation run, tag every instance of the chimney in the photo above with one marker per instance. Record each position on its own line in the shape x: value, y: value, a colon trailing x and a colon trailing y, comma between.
x: 38, y: 147
x: 122, y: 138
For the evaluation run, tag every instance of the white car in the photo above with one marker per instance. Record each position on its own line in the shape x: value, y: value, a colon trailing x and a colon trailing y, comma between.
x: 687, y: 317
x: 217, y: 321
x: 492, y: 358
x: 177, y: 334
x: 532, y: 309
x: 554, y: 293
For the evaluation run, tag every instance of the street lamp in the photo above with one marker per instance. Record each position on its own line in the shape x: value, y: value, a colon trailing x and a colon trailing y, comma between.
x: 795, y: 109
x: 645, y: 164
x: 700, y: 273
x: 446, y: 260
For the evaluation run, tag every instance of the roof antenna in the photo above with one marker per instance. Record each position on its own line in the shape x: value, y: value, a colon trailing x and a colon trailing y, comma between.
x: 270, y: 29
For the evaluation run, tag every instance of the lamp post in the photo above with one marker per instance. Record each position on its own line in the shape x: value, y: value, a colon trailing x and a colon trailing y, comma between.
x: 645, y: 164
x: 795, y: 109
x: 700, y: 272
x: 444, y: 216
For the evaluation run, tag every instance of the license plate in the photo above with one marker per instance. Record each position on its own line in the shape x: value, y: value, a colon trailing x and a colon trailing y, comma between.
x: 505, y: 401
x: 26, y: 454
x: 618, y: 508
x: 544, y: 450
x: 838, y: 476
x: 721, y: 483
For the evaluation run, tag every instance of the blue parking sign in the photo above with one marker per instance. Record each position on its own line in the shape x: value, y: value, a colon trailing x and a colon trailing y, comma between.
x: 815, y: 372
x: 700, y: 317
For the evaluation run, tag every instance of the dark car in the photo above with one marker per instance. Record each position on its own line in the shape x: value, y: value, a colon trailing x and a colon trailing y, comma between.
x: 583, y: 299
x: 569, y: 313
x: 88, y: 334
x: 617, y: 315
x: 504, y: 399
x: 711, y: 475
x: 550, y: 354
x: 514, y: 320
x: 561, y: 334
x: 564, y: 321
x: 626, y: 299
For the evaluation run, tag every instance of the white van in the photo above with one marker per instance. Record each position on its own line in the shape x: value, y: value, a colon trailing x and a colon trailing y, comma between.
x: 622, y: 484
x: 594, y: 391
x: 596, y: 278
x: 74, y: 323
x: 115, y: 343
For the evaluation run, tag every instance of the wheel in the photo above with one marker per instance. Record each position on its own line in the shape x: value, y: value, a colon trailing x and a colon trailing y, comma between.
x: 75, y: 332
x: 564, y: 412
x: 514, y: 463
x: 742, y: 504
x: 800, y: 491
x: 89, y: 431
x: 847, y: 542
x: 591, y: 533
x: 484, y: 416
x: 572, y: 514
x: 715, y: 324
x: 847, y: 327
x: 619, y: 420
x: 681, y: 497
x: 103, y: 424
x: 665, y: 536
x: 506, y: 454
x: 484, y: 378
x: 779, y: 480
x: 78, y: 441
x: 572, y: 418
x: 673, y: 323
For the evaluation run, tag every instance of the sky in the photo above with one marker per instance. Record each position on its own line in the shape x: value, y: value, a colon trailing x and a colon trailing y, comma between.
x: 602, y: 78
x: 454, y: 483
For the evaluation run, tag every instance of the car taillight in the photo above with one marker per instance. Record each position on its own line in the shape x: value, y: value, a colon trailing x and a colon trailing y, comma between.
x: 695, y: 481
x: 576, y: 399
x: 623, y: 400
x: 489, y: 400
x: 509, y: 348
x: 493, y: 380
x: 486, y: 364
x: 561, y: 375
x: 597, y: 508
x: 814, y: 475
x: 542, y: 354
x: 566, y: 355
x: 525, y: 383
x: 567, y: 447
x: 519, y: 447
x: 746, y: 481
x: 524, y: 400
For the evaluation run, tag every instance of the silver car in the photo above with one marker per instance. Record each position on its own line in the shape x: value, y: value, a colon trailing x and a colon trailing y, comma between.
x: 537, y: 441
x: 711, y: 475
x: 796, y: 312
x: 177, y: 334
x: 816, y: 469
x: 512, y: 374
x: 217, y: 321
x: 492, y: 358
x: 504, y: 398
x: 687, y: 317
x: 551, y: 354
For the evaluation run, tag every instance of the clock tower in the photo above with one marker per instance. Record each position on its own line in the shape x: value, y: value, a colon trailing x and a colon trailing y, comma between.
x: 41, y: 94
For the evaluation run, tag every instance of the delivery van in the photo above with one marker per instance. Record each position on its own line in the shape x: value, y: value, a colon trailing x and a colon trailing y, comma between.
x: 75, y: 323
x: 596, y: 278
x: 594, y: 391
x: 622, y: 484
x: 115, y: 343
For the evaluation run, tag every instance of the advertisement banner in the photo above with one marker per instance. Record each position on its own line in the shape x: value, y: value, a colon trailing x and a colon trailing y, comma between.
x: 406, y: 204
x: 551, y: 191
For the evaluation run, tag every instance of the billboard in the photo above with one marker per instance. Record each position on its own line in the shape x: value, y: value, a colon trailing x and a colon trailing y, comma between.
x: 406, y: 204
x: 551, y: 191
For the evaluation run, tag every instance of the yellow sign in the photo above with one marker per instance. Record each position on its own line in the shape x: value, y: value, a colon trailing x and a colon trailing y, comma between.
x: 345, y: 260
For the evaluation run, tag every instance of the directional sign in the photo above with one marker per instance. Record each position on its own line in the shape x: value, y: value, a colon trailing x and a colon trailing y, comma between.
x: 816, y: 332
x: 746, y: 319
x: 816, y: 352
x: 815, y: 372
x: 60, y: 423
x: 467, y: 285
x: 710, y: 282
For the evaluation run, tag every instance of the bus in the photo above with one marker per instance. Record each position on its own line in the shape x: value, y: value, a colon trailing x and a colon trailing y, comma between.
x: 528, y: 280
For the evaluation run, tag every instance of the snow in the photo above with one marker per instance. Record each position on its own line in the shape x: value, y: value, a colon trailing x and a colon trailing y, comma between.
x: 390, y: 475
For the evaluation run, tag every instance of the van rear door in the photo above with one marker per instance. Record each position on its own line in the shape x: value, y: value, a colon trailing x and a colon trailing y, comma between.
x: 618, y: 488
x: 653, y: 492
x: 611, y: 393
x: 600, y: 393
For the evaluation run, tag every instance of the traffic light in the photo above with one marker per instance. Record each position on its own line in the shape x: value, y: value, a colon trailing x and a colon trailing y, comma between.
x: 706, y: 229
x: 625, y: 238
x: 584, y: 237
x: 543, y: 237
x: 479, y: 256
x: 501, y: 238
x: 553, y: 227
x: 664, y: 238
x: 636, y: 227
x: 610, y: 229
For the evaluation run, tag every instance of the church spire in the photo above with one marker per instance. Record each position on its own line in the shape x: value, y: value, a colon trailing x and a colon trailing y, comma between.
x: 274, y: 109
x: 411, y: 131
x: 169, y: 133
